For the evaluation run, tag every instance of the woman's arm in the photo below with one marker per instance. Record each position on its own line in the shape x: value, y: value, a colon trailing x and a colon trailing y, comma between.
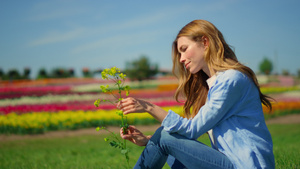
x: 227, y: 92
x: 133, y: 105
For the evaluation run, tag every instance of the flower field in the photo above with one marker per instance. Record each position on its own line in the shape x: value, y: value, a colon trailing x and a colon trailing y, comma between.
x: 31, y: 107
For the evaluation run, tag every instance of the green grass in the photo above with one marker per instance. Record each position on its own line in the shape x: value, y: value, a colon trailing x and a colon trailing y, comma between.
x: 286, y: 140
x: 90, y: 151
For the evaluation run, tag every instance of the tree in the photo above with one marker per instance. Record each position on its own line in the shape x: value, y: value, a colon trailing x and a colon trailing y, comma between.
x: 59, y: 73
x: 141, y: 69
x: 62, y: 73
x: 71, y: 72
x: 86, y: 72
x: 14, y: 74
x: 285, y: 72
x: 26, y: 73
x: 266, y: 66
x: 42, y: 74
x: 2, y: 74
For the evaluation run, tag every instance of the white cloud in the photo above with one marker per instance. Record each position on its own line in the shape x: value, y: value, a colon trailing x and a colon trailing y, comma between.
x: 140, y: 36
x: 55, y: 14
x: 119, y: 41
x: 55, y: 37
x: 133, y: 23
x: 154, y: 18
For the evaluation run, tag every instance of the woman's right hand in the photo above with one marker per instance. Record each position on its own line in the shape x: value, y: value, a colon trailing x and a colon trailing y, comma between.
x: 132, y: 105
x: 135, y: 136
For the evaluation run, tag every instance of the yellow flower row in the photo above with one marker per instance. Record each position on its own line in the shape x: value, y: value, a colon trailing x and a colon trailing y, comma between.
x: 39, y: 122
x: 267, y: 90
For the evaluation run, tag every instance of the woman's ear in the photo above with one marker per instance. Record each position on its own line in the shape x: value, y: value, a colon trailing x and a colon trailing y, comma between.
x: 205, y: 41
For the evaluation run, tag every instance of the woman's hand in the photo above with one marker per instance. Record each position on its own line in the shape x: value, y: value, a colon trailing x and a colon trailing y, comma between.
x: 132, y: 105
x: 135, y: 136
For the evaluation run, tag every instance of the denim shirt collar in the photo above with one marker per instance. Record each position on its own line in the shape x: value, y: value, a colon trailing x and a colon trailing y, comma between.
x: 211, y: 81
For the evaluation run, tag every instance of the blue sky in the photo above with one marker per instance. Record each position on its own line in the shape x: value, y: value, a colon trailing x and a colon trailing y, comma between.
x: 104, y: 33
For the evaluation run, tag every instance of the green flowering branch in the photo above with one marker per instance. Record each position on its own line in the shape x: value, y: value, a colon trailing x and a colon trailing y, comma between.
x: 118, y: 78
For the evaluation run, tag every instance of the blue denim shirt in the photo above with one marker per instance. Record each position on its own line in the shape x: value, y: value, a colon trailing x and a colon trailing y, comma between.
x: 234, y: 113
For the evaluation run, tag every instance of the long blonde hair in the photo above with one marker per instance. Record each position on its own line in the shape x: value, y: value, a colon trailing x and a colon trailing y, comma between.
x: 219, y: 57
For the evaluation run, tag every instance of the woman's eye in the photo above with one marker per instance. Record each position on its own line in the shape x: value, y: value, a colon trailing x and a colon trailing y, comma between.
x: 183, y: 49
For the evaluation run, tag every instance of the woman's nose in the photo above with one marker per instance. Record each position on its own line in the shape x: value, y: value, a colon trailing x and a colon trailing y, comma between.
x: 182, y: 59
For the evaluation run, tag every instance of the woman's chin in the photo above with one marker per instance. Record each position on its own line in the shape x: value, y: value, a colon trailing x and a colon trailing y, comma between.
x: 193, y: 71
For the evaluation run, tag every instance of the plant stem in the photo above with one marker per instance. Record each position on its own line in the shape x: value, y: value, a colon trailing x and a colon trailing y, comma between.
x: 127, y: 159
x: 124, y: 129
x: 113, y: 134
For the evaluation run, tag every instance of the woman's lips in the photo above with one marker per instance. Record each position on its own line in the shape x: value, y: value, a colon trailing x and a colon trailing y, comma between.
x: 186, y: 65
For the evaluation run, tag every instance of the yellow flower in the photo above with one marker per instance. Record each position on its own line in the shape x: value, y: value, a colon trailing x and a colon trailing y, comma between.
x: 119, y: 112
x: 104, y: 88
x: 113, y: 71
x: 104, y: 74
x: 122, y: 76
x: 97, y: 102
x: 127, y: 88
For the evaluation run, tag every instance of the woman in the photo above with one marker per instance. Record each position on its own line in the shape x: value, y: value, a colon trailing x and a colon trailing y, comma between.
x: 225, y: 102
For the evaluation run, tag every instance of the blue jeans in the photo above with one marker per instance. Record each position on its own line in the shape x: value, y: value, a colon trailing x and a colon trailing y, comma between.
x: 180, y: 152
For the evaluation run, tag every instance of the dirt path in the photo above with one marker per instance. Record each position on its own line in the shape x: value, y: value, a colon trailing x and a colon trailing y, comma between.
x: 70, y: 133
x: 288, y: 119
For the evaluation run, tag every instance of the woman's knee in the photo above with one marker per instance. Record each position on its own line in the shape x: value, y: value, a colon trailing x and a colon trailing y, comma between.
x: 164, y: 138
x: 160, y: 135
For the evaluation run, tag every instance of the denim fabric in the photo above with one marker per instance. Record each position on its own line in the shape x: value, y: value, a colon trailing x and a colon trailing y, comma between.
x: 188, y: 153
x: 174, y: 163
x: 233, y: 112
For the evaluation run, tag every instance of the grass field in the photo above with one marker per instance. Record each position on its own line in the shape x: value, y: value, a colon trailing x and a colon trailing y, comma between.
x: 90, y: 151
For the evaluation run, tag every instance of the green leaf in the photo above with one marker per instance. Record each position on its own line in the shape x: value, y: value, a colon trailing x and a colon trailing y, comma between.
x: 113, y: 143
x: 124, y: 151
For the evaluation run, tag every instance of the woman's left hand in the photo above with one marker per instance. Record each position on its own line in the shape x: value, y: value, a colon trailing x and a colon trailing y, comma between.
x: 135, y: 136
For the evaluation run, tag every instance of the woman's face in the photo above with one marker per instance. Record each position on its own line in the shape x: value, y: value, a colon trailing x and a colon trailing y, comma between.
x: 192, y: 55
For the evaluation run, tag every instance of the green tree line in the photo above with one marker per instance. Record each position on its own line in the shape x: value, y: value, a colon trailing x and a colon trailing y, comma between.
x: 138, y: 69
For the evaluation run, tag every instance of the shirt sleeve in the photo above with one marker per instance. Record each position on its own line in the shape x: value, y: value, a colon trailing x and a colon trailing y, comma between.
x: 222, y: 97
